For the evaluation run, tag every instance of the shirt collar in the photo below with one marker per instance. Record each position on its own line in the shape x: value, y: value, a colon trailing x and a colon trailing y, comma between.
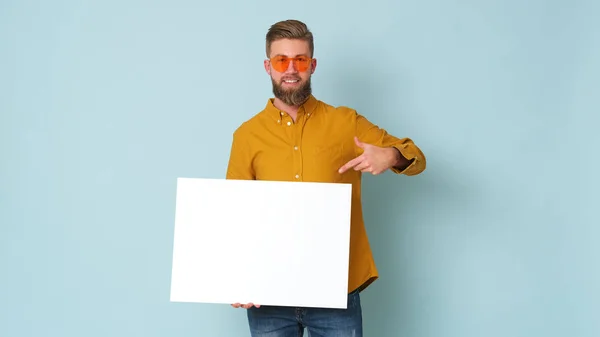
x: 307, y: 107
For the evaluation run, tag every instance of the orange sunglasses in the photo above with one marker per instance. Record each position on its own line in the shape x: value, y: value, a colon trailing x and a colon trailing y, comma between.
x: 282, y: 62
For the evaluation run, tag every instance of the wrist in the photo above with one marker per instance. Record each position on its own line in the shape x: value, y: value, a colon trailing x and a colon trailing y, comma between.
x: 398, y: 160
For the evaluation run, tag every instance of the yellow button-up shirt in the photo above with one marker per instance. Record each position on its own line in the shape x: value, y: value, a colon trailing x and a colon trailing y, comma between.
x: 272, y: 146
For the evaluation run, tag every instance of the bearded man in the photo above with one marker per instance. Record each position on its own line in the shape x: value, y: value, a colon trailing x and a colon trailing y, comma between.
x: 297, y: 137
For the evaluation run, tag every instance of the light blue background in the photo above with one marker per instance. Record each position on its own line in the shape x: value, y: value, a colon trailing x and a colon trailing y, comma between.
x: 104, y: 104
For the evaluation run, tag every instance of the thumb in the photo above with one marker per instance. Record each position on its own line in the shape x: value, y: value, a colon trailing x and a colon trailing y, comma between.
x: 359, y: 143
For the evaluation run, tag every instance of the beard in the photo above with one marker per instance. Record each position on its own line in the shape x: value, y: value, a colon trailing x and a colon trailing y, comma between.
x: 292, y: 97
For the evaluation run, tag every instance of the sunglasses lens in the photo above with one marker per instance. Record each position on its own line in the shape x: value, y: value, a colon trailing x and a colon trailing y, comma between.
x: 280, y: 63
x: 302, y: 63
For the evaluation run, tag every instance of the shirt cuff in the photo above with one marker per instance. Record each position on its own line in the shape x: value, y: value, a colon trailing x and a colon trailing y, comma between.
x: 408, y: 153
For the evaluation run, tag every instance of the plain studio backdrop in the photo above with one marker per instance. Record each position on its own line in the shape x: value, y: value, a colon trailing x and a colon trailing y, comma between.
x: 103, y: 104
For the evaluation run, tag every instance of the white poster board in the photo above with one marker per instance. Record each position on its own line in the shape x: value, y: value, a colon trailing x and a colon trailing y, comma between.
x: 264, y: 242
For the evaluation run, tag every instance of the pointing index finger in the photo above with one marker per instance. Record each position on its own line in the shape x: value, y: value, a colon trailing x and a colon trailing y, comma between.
x: 350, y: 164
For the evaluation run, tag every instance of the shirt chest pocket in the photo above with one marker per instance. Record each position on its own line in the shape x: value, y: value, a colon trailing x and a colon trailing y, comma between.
x: 326, y: 161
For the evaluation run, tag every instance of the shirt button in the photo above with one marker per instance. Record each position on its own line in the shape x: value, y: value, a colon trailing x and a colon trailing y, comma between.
x: 295, y: 148
x: 297, y: 176
x: 278, y: 121
x: 289, y: 123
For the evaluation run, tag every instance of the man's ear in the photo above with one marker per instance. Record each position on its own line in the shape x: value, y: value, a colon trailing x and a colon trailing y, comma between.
x: 267, y: 67
x: 313, y: 66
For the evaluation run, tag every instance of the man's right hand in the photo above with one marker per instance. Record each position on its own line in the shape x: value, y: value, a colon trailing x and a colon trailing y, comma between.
x: 245, y: 306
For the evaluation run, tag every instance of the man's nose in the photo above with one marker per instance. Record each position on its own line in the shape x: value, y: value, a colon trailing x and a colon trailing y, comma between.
x: 291, y: 69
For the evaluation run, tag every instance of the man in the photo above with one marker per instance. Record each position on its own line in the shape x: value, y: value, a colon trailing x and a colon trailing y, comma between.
x: 299, y: 138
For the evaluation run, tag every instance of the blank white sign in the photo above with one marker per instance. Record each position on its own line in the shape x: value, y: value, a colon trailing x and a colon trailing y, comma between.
x: 265, y: 242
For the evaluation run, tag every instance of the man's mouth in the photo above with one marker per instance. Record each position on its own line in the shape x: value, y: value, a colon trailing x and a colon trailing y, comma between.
x: 291, y: 81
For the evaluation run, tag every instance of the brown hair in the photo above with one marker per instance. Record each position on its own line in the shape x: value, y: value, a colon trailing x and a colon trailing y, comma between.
x: 289, y: 29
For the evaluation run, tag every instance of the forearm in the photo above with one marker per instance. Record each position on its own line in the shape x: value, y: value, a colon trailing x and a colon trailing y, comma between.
x: 406, y: 158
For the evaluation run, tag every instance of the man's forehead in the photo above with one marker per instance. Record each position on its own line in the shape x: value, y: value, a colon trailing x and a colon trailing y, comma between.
x: 290, y: 47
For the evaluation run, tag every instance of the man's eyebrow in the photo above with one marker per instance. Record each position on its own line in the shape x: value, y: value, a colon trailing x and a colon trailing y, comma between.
x: 293, y: 56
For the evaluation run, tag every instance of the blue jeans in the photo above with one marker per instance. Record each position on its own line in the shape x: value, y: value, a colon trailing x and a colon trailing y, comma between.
x: 274, y: 321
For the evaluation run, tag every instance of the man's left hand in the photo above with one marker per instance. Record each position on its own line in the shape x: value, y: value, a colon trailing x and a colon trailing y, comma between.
x: 374, y: 159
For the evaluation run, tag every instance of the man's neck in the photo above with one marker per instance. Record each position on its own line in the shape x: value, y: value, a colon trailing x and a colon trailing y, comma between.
x: 290, y: 110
